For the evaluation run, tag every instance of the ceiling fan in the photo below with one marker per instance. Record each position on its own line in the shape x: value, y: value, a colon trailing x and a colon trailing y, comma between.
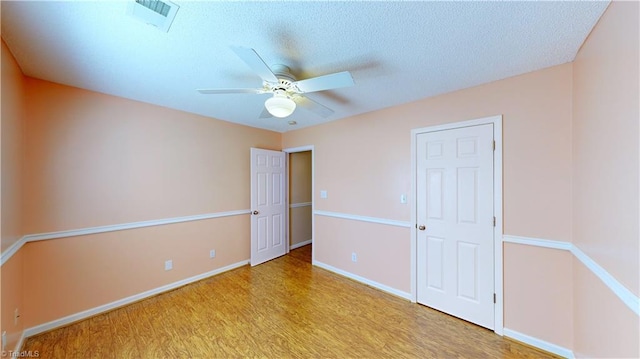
x: 287, y: 91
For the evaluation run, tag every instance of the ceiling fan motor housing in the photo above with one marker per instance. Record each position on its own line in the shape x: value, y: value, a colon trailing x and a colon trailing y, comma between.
x: 285, y: 79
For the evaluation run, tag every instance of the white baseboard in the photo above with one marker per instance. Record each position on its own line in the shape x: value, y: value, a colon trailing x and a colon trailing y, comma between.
x: 538, y: 343
x: 301, y: 244
x: 363, y: 280
x: 20, y: 342
x: 122, y: 302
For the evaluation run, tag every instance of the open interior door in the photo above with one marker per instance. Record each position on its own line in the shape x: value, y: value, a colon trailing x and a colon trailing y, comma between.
x: 268, y: 205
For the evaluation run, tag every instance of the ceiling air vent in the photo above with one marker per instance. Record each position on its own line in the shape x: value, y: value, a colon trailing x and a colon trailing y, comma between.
x: 157, y: 13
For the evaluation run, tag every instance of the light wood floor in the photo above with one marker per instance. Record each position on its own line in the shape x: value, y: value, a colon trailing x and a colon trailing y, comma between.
x: 284, y: 308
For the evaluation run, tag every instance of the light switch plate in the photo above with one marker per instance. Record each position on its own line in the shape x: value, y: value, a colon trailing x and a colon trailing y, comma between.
x: 323, y: 194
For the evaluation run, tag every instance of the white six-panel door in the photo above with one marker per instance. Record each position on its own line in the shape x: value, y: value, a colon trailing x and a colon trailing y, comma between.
x: 455, y: 215
x: 268, y: 205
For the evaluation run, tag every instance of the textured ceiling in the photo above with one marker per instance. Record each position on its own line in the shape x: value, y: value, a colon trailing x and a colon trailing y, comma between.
x: 397, y: 52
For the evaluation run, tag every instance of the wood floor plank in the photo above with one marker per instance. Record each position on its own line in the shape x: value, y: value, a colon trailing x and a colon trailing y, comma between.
x: 285, y: 308
x: 51, y: 344
x: 122, y: 334
x: 78, y: 339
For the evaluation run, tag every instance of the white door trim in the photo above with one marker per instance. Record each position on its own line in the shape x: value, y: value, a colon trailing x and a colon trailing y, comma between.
x: 313, y: 192
x: 497, y: 207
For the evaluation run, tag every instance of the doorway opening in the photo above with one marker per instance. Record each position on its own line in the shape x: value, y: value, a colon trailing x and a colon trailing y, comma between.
x: 300, y: 201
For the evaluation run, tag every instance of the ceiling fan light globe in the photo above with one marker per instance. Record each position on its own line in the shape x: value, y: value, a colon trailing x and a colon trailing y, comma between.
x: 280, y: 106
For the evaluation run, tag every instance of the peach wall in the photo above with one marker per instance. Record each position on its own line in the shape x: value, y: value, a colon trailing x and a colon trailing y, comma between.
x: 606, y: 107
x: 604, y: 327
x: 69, y: 275
x: 364, y: 162
x: 300, y: 177
x: 12, y: 149
x: 527, y: 266
x: 364, y: 165
x: 12, y: 299
x: 95, y: 160
x: 336, y: 239
x: 13, y: 146
x: 606, y: 112
x: 300, y: 224
x: 299, y: 192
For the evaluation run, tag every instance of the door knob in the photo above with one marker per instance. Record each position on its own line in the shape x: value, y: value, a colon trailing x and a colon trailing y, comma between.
x: 422, y: 228
x: 256, y: 212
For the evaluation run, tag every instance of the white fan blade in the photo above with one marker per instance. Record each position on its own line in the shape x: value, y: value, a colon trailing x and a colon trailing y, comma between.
x: 326, y: 82
x: 230, y: 91
x: 313, y: 106
x: 255, y: 62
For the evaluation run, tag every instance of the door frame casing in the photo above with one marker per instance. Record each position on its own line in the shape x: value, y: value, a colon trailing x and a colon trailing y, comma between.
x: 497, y: 209
x: 289, y: 151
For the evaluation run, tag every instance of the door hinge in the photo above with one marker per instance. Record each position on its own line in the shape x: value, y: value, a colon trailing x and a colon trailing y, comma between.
x: 494, y: 145
x: 494, y: 298
x: 494, y: 221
